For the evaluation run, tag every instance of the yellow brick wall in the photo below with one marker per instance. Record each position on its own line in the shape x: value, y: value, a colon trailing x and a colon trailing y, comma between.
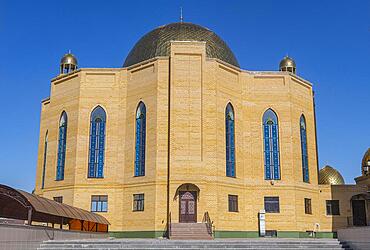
x: 200, y: 90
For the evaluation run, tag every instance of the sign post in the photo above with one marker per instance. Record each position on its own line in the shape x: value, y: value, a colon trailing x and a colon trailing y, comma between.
x: 261, y: 223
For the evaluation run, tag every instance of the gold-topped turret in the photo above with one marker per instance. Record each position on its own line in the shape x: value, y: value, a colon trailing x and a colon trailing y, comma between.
x: 288, y: 64
x: 68, y: 63
x: 366, y: 163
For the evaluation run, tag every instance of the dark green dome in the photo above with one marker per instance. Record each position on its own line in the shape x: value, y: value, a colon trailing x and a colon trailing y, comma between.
x: 157, y: 43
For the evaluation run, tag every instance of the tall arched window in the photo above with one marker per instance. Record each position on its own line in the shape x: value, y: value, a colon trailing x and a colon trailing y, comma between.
x: 271, y: 145
x: 230, y: 140
x: 62, y: 146
x: 302, y: 125
x: 140, y: 140
x: 44, y: 163
x: 97, y: 143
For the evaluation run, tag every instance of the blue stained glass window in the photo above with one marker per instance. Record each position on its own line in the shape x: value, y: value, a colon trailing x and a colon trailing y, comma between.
x: 140, y: 140
x: 271, y: 145
x: 302, y: 125
x: 44, y: 163
x: 230, y: 140
x: 62, y: 146
x: 97, y: 143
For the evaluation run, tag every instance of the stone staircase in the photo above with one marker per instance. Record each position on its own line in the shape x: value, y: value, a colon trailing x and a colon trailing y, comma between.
x: 190, y: 231
x: 157, y: 244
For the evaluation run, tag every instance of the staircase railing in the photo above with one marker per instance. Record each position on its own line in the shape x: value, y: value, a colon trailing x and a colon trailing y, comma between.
x: 209, y: 223
x: 169, y: 226
x: 349, y: 221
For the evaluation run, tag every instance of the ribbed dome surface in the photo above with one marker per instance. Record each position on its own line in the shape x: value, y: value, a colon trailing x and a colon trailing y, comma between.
x: 157, y: 43
x: 287, y: 62
x: 330, y: 176
x: 68, y: 59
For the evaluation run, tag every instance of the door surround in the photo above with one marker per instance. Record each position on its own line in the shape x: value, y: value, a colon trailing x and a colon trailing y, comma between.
x: 187, y: 195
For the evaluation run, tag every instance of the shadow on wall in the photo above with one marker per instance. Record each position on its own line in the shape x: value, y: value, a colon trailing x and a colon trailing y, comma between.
x: 349, y: 206
x: 355, y: 237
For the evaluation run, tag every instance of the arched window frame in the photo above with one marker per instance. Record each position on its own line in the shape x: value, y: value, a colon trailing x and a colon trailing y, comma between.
x: 271, y: 145
x: 44, y: 160
x: 62, y: 142
x: 304, y: 154
x: 98, y: 120
x: 230, y: 140
x: 140, y: 139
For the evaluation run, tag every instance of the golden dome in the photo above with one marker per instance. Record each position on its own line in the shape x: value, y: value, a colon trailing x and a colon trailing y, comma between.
x: 68, y: 58
x: 330, y: 176
x: 287, y: 64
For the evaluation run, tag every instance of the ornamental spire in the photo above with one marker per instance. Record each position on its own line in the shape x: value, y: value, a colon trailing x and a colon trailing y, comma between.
x: 181, y: 17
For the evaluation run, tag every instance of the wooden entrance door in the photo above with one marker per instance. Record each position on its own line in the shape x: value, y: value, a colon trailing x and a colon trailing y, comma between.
x: 359, y: 213
x: 188, y: 206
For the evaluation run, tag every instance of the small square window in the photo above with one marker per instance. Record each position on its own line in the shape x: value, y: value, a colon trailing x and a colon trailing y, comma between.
x: 332, y: 207
x: 58, y: 199
x: 138, y: 202
x: 233, y: 203
x: 99, y: 203
x: 272, y: 205
x: 307, y: 206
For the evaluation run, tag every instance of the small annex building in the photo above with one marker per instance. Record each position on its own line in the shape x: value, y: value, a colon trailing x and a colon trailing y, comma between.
x: 21, y: 205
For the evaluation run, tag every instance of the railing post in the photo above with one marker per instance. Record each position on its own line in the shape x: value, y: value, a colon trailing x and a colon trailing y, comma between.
x: 169, y: 226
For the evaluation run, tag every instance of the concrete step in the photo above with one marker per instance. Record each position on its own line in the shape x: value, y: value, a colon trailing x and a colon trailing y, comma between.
x: 190, y: 230
x: 195, y: 247
x: 186, y: 236
x: 193, y: 242
x: 184, y: 231
x: 190, y: 225
x: 152, y: 244
x: 216, y: 241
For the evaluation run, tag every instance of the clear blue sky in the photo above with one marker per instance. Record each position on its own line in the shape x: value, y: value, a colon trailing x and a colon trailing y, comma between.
x: 330, y: 41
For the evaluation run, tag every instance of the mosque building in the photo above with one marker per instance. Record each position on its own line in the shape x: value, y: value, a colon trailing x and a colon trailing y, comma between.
x: 180, y: 134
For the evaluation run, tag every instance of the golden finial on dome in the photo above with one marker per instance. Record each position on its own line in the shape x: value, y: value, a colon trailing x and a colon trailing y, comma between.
x: 181, y: 17
x: 68, y: 63
x: 287, y: 64
x: 330, y: 176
